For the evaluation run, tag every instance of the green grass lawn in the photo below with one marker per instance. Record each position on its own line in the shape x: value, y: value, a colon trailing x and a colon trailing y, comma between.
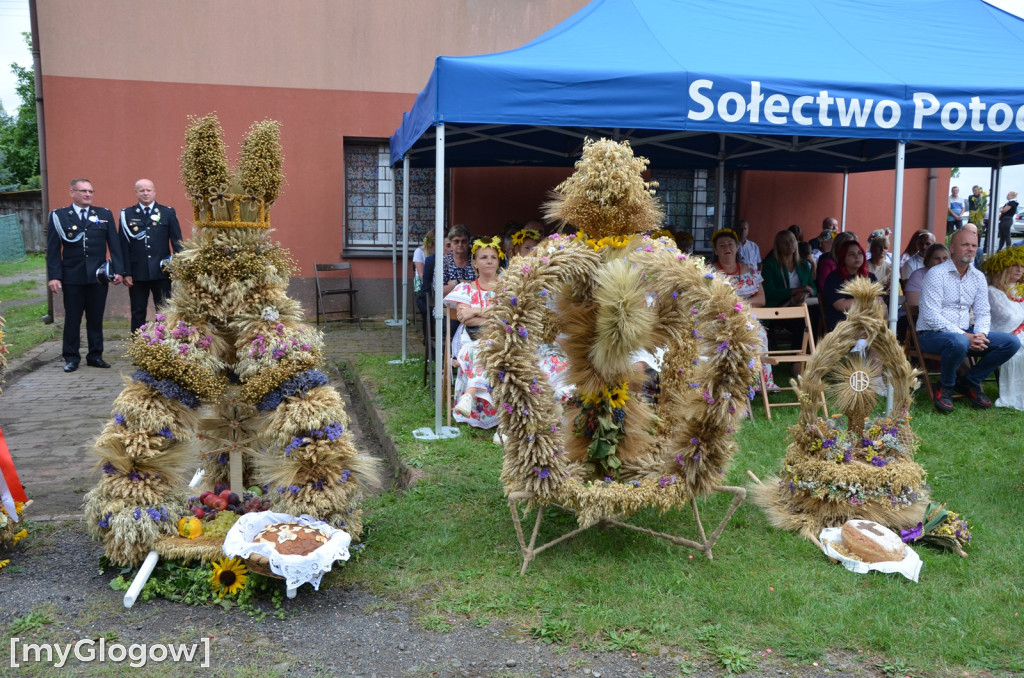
x: 449, y: 544
x: 24, y: 328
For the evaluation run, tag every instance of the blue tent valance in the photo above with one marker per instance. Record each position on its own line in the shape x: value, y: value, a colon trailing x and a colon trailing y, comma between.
x: 822, y: 85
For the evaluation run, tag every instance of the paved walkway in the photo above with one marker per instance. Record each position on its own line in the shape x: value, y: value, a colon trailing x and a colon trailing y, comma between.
x: 51, y: 418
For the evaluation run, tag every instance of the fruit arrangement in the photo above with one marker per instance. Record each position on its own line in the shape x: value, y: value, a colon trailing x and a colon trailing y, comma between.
x: 214, y: 512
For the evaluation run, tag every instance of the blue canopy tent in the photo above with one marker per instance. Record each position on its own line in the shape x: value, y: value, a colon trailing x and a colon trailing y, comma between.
x: 809, y: 85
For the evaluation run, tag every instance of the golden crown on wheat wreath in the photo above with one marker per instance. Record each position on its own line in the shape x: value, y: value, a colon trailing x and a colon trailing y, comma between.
x: 222, y: 198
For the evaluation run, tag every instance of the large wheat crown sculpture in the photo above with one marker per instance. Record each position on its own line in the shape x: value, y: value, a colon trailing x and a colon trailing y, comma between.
x: 604, y: 293
x: 228, y: 375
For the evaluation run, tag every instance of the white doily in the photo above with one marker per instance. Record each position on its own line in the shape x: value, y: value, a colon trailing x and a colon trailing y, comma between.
x: 909, y: 567
x: 296, y: 570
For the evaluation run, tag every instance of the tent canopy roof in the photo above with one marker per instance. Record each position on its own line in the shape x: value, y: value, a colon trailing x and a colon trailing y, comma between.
x: 817, y: 85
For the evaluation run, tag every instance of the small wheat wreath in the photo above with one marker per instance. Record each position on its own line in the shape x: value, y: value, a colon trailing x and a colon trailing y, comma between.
x: 822, y: 488
x: 611, y: 297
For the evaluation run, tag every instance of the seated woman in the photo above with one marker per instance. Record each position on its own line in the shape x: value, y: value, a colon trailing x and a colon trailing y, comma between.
x: 827, y: 262
x: 934, y: 255
x: 879, y: 265
x: 524, y: 242
x: 745, y: 279
x: 788, y: 282
x: 1006, y: 300
x: 472, y: 301
x: 852, y: 262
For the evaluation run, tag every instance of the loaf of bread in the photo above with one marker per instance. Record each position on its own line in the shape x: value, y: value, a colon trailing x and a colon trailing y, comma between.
x: 871, y: 542
x: 292, y: 539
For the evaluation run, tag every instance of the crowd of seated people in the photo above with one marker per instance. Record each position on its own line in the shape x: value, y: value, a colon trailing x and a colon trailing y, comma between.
x: 961, y: 313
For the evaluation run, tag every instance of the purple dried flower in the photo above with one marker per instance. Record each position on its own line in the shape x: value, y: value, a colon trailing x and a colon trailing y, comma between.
x: 695, y: 441
x: 513, y: 301
x: 879, y: 461
x: 118, y: 418
x: 912, y: 534
x: 724, y: 346
x: 542, y: 472
x: 166, y: 432
x: 523, y: 333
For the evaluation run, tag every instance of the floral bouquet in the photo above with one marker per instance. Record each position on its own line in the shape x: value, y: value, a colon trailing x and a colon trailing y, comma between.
x: 940, y: 527
x: 175, y: 359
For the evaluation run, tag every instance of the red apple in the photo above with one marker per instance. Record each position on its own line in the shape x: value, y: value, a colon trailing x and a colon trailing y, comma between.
x: 198, y: 512
x: 225, y: 494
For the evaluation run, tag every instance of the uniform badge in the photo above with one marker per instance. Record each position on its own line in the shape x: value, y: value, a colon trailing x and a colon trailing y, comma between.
x: 155, y: 216
x: 93, y: 218
x: 74, y: 228
x: 135, y: 229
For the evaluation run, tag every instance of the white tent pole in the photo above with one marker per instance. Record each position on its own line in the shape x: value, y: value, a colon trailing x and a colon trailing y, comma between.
x: 439, y: 431
x: 897, y: 229
x: 992, y: 232
x: 393, y: 321
x: 438, y: 276
x: 720, y: 194
x: 405, y: 256
x: 846, y: 195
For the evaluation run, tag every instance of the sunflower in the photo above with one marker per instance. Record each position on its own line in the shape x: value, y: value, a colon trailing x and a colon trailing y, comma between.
x: 618, y: 396
x: 229, y: 576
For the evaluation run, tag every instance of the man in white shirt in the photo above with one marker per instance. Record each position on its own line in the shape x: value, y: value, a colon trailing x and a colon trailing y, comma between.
x: 949, y: 293
x: 749, y: 253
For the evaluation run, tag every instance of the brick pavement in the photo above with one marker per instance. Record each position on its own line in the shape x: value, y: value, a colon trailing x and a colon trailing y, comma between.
x: 51, y: 418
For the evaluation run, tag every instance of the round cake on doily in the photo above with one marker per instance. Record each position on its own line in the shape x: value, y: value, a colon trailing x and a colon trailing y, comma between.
x: 292, y: 538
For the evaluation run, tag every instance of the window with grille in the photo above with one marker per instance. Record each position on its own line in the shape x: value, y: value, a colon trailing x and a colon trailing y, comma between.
x: 689, y: 198
x: 373, y: 197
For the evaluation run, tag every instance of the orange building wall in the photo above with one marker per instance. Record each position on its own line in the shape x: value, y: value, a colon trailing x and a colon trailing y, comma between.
x: 116, y: 109
x: 772, y: 201
x: 486, y: 198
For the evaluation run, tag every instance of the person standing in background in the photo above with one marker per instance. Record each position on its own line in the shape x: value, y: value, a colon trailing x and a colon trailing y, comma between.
x: 151, y: 232
x: 954, y: 211
x: 1007, y: 213
x: 749, y: 252
x: 77, y: 240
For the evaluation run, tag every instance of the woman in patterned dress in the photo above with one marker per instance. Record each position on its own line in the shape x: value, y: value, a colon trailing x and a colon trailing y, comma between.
x: 472, y: 301
x: 745, y: 279
x: 1004, y: 271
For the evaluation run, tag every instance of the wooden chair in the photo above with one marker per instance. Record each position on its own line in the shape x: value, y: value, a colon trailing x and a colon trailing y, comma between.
x: 917, y: 355
x: 796, y: 355
x: 334, y: 285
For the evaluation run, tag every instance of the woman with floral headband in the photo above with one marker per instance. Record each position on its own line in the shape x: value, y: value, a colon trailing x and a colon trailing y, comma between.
x: 1006, y: 300
x: 525, y: 241
x: 472, y: 301
x: 745, y: 279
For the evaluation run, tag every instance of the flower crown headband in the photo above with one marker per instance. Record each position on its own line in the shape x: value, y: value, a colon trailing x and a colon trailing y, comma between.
x: 728, y: 232
x: 1003, y: 259
x: 524, y: 234
x: 494, y: 243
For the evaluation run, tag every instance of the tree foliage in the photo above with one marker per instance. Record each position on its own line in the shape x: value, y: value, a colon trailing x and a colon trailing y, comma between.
x: 19, y: 134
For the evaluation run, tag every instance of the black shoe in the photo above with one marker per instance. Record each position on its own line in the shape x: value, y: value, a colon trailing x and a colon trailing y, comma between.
x: 70, y: 366
x: 99, y: 362
x: 974, y: 394
x: 943, y: 399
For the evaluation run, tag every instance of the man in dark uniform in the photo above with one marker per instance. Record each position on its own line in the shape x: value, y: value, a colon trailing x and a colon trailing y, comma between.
x: 150, y: 233
x: 77, y: 240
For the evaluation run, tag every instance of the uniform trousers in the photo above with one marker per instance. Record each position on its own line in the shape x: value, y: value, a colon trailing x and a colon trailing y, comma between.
x: 90, y: 299
x: 139, y: 293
